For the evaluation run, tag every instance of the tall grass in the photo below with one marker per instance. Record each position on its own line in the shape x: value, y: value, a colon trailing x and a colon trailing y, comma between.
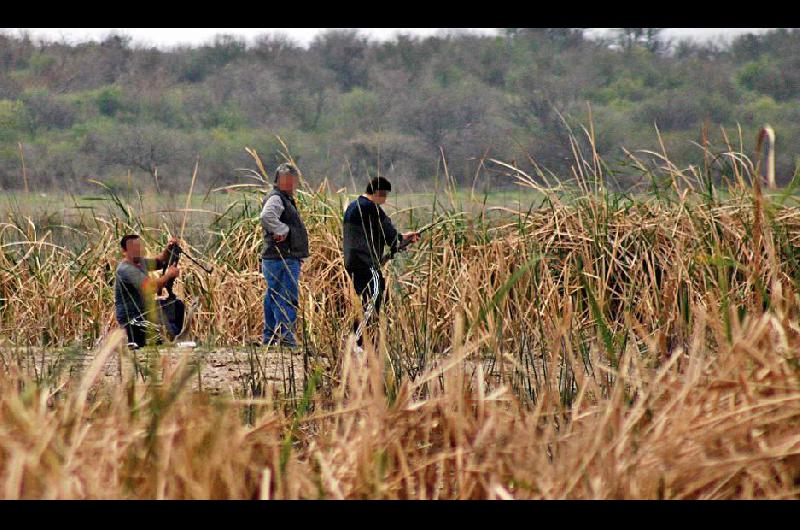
x: 702, y: 425
x: 602, y: 345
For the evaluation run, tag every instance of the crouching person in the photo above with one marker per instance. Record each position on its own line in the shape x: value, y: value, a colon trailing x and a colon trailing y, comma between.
x: 285, y: 248
x: 134, y: 292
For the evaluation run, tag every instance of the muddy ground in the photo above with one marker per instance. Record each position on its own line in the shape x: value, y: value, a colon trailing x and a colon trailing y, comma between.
x: 232, y: 372
x: 221, y: 371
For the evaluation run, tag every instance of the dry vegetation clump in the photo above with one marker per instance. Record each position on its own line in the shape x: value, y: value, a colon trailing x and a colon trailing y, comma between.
x: 599, y: 346
x: 702, y: 425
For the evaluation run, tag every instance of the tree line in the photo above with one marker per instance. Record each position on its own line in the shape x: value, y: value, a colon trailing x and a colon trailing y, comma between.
x: 349, y: 107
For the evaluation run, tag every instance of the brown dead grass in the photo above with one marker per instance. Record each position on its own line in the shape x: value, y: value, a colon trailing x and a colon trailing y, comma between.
x: 597, y: 347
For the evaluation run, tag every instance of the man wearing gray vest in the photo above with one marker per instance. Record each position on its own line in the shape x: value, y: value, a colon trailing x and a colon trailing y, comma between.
x: 285, y: 247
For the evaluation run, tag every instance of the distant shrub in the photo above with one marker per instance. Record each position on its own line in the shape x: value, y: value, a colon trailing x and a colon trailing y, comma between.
x: 14, y: 120
x: 674, y: 109
x: 768, y: 76
x: 109, y: 101
x: 48, y: 111
x: 41, y: 63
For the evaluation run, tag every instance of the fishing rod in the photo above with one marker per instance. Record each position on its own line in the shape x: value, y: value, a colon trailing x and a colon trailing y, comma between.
x: 190, y: 258
x: 375, y: 280
x: 406, y: 242
x: 175, y: 251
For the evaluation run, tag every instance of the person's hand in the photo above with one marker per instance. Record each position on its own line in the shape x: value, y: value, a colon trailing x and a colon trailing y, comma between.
x: 412, y: 237
x: 278, y: 238
x: 172, y: 272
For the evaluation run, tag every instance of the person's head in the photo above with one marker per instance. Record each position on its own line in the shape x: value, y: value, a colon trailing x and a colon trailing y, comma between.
x: 131, y: 247
x: 378, y: 189
x: 286, y: 178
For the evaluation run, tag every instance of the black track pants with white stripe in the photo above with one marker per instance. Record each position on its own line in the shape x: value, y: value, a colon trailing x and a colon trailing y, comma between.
x: 371, y: 287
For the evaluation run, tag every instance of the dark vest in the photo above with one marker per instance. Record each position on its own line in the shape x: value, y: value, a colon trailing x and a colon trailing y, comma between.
x: 296, y: 243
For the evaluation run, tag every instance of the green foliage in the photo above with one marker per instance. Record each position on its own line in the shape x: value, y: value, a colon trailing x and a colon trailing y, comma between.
x: 109, y: 101
x: 623, y: 88
x: 13, y: 120
x: 358, y: 110
x: 351, y: 108
x: 41, y: 63
x: 47, y: 110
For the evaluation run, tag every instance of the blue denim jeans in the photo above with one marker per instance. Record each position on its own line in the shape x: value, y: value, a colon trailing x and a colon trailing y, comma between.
x: 280, y: 300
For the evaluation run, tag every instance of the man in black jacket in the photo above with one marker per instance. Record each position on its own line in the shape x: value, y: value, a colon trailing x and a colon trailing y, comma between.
x: 285, y: 247
x: 367, y: 230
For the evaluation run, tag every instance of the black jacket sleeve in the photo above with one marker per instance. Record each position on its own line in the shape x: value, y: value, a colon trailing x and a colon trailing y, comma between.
x: 389, y: 231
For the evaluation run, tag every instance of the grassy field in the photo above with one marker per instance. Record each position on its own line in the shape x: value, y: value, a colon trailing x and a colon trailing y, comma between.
x: 598, y: 345
x: 50, y: 206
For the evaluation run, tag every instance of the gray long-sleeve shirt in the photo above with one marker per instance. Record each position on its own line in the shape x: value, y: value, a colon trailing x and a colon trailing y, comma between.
x: 271, y: 216
x: 129, y: 301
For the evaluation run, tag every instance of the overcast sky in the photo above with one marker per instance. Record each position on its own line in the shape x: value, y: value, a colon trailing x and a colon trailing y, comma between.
x: 167, y: 37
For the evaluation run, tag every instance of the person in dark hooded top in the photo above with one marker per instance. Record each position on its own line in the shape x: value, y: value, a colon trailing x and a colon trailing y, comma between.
x: 367, y: 230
